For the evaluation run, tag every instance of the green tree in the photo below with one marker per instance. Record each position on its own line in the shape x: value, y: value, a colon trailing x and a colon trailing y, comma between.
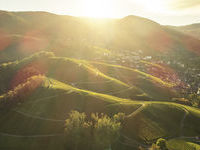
x: 77, y: 131
x: 106, y: 129
x: 195, y: 99
x: 161, y: 143
x: 98, y: 132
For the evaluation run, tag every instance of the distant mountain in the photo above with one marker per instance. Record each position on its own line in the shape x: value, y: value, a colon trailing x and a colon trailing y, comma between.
x: 193, y: 29
x: 67, y: 34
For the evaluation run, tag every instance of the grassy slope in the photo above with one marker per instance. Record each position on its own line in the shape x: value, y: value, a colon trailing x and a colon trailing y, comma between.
x: 10, y: 69
x: 148, y: 83
x: 180, y: 144
x: 85, y: 75
x: 193, y: 29
x: 71, y: 71
x: 98, y: 77
x: 44, y: 112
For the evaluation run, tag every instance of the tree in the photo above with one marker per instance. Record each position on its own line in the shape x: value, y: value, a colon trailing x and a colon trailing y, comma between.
x: 77, y: 131
x: 161, y: 143
x: 97, y: 132
x: 195, y: 99
x: 106, y: 129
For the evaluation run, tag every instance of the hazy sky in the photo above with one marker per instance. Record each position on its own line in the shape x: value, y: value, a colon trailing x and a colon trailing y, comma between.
x: 174, y: 12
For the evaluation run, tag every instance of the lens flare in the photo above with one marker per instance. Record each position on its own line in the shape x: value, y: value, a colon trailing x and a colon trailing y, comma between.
x: 98, y: 9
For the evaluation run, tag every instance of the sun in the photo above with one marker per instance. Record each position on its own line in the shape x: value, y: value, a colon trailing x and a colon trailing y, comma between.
x: 110, y: 8
x: 98, y: 8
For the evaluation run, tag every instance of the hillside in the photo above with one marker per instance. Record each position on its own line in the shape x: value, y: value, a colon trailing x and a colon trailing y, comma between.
x: 193, y: 29
x: 125, y: 41
x: 49, y: 110
x: 116, y: 40
x: 98, y: 77
x: 52, y: 64
x: 51, y: 94
x: 78, y: 35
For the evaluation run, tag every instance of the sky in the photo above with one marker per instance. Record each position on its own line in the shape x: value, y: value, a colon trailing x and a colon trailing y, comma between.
x: 166, y: 12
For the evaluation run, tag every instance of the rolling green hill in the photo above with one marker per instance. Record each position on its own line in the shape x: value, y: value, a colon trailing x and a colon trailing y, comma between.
x: 53, y: 64
x: 115, y: 80
x: 40, y: 99
x: 123, y: 41
x: 45, y: 110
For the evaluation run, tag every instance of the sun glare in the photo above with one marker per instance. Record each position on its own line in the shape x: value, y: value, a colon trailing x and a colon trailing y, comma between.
x: 98, y: 8
x: 108, y: 8
x: 156, y: 6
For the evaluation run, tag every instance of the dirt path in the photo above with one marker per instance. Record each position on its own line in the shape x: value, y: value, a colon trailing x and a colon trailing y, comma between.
x: 137, y: 111
x: 38, y: 117
x: 29, y: 136
x: 182, y: 121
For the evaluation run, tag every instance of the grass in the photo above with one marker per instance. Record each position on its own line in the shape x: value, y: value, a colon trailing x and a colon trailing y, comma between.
x: 157, y: 119
x: 89, y: 67
x: 61, y: 86
x: 111, y: 78
x: 148, y: 76
x: 154, y: 87
x: 45, y: 109
x: 179, y: 144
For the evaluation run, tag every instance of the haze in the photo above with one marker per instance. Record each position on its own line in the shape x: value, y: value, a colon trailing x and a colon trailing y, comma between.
x: 173, y: 12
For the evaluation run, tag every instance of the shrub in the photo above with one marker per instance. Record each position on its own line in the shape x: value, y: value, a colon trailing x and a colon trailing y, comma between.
x: 77, y: 131
x: 161, y: 143
x: 98, y: 132
x: 106, y: 129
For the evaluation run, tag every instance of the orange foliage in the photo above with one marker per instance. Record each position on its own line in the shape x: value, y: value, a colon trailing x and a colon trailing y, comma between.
x: 165, y: 73
x: 33, y: 69
x: 25, y: 89
x: 18, y: 94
